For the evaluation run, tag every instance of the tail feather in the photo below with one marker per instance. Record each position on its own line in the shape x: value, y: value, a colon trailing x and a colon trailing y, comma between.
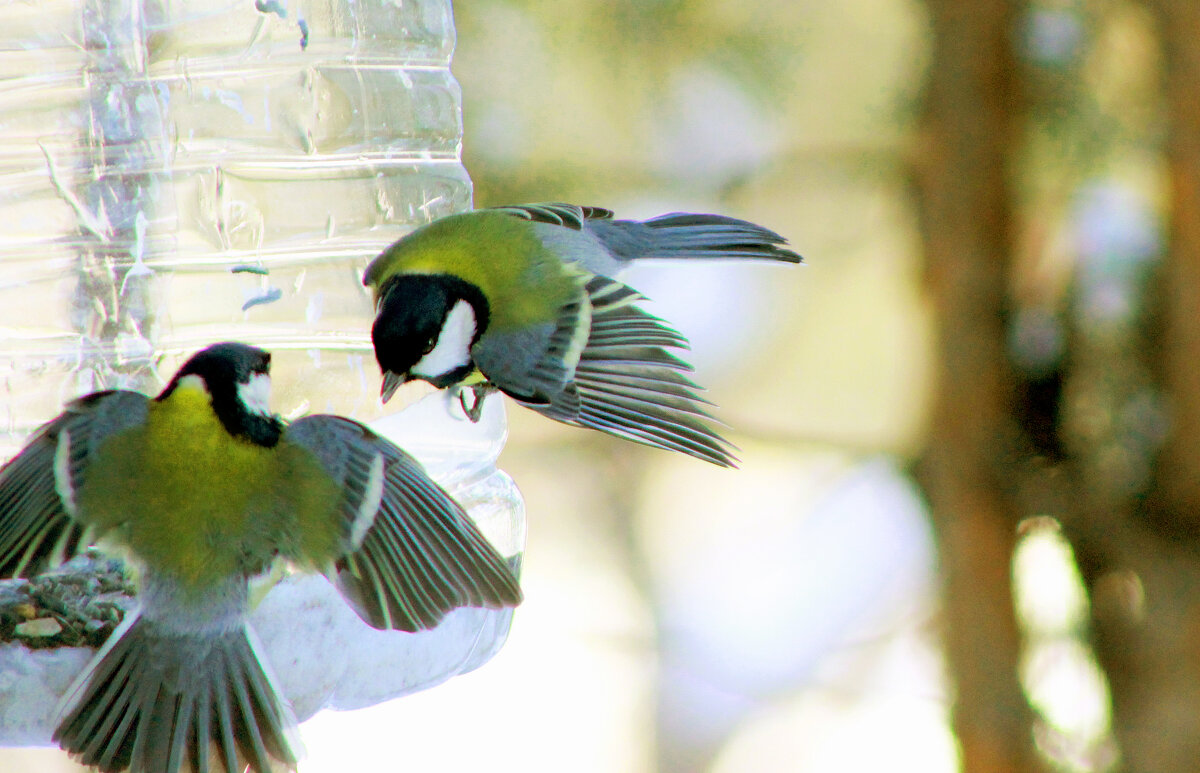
x: 159, y: 700
x: 688, y: 235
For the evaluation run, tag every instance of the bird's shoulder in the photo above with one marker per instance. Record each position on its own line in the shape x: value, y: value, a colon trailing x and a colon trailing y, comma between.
x: 97, y: 416
x: 577, y: 236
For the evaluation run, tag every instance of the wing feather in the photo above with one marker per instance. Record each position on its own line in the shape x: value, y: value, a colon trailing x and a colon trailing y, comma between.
x: 557, y: 213
x: 38, y: 526
x: 420, y: 555
x: 628, y: 384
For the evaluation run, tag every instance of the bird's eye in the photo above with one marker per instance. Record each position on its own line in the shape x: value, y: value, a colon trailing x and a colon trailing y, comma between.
x: 429, y: 344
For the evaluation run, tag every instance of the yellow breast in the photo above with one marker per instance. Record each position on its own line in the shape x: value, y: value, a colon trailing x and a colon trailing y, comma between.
x: 185, y: 496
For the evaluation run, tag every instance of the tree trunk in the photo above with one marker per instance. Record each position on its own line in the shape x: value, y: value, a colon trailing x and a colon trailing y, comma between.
x: 1180, y: 462
x: 964, y: 197
x: 1146, y: 609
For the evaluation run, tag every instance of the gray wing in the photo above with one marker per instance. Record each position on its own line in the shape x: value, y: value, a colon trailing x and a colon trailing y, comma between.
x: 622, y: 380
x: 39, y: 525
x: 410, y: 552
x: 535, y: 363
x: 627, y: 384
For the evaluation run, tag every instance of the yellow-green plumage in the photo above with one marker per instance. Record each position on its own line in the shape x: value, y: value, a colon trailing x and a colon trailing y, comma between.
x: 199, y: 505
x: 525, y: 282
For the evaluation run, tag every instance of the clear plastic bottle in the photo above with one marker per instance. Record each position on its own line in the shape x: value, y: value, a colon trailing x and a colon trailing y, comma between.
x: 178, y: 172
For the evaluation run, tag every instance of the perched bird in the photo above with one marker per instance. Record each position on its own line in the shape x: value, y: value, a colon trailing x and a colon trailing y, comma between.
x: 203, y: 487
x: 522, y: 299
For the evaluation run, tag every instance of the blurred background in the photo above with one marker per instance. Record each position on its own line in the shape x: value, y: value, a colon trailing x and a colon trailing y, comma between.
x: 964, y: 531
x: 963, y: 535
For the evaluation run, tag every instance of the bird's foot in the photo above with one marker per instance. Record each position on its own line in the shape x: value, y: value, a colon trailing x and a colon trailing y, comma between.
x: 478, y: 393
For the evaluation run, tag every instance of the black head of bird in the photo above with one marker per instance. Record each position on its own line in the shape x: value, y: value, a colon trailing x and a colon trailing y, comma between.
x: 237, y: 379
x: 424, y: 329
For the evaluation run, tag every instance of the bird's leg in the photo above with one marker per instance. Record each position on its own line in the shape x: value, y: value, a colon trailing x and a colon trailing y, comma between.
x: 479, y: 392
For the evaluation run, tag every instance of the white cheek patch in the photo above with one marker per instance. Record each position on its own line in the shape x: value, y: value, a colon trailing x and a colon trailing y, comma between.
x: 256, y: 394
x: 453, y: 349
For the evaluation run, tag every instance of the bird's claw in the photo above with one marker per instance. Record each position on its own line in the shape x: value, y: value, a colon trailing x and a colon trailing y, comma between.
x: 479, y: 392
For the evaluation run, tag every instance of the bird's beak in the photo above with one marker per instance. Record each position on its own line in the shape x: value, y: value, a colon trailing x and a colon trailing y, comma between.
x: 391, y: 382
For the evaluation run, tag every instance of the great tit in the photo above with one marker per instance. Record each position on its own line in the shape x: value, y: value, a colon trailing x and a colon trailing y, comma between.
x: 522, y: 299
x: 204, y: 488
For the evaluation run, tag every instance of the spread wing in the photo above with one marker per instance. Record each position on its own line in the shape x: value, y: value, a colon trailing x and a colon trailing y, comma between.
x: 39, y: 525
x: 622, y: 380
x: 410, y: 553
